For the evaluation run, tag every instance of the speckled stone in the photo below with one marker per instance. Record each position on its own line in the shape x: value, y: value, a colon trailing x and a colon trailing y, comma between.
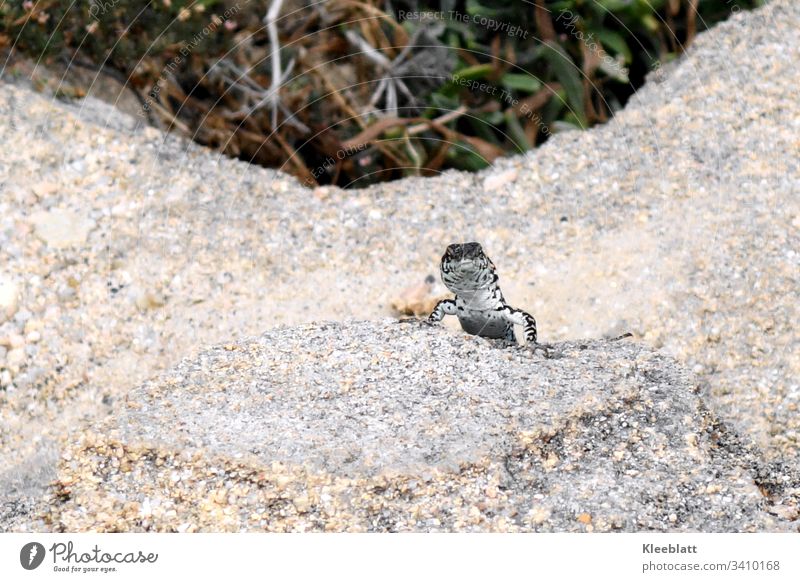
x: 386, y: 426
x: 9, y: 298
x: 678, y: 221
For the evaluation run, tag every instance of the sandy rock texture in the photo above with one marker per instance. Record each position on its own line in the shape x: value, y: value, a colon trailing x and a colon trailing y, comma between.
x: 362, y: 426
x: 123, y: 250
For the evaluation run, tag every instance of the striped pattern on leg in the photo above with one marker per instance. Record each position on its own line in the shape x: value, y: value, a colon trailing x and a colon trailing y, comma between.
x: 523, y: 318
x: 444, y: 307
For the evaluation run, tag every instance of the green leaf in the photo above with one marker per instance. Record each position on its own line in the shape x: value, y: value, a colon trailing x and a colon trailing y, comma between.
x: 552, y: 110
x: 483, y: 129
x: 464, y: 157
x: 615, y: 42
x: 474, y: 8
x: 614, y: 5
x: 516, y: 133
x: 651, y: 5
x: 445, y: 102
x: 474, y: 72
x: 526, y: 83
x: 493, y: 117
x: 568, y: 74
x: 650, y: 23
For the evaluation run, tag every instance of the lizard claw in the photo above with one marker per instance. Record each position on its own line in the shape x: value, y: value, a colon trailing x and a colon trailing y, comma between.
x: 417, y: 321
x: 545, y: 349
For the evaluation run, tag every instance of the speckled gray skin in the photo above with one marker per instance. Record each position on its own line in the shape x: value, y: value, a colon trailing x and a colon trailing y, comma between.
x: 385, y: 427
x: 678, y: 221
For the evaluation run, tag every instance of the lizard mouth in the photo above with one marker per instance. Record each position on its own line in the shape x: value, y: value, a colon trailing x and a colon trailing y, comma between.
x: 469, y: 263
x: 463, y: 276
x: 461, y: 265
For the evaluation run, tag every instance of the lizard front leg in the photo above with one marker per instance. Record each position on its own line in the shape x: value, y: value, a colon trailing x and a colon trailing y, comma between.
x: 444, y: 307
x: 523, y: 318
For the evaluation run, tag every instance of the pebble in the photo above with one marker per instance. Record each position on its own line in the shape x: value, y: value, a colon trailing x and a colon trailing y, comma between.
x: 496, y: 181
x: 149, y: 300
x: 22, y: 316
x: 12, y: 341
x: 9, y: 297
x: 15, y: 357
x: 61, y: 229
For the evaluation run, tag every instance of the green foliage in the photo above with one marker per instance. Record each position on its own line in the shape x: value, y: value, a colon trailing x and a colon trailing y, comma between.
x: 486, y: 77
x: 597, y: 51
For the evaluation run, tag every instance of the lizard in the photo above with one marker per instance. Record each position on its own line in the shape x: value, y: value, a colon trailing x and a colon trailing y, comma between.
x: 479, y: 304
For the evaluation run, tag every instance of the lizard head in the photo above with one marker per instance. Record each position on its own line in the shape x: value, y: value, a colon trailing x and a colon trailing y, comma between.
x: 465, y: 267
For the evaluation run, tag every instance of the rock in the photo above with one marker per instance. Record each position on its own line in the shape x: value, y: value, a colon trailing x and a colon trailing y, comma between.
x: 12, y: 341
x: 684, y: 233
x: 9, y: 298
x: 61, y: 229
x: 419, y: 299
x: 15, y: 357
x: 364, y: 426
x: 22, y: 316
x: 148, y: 299
x: 496, y: 181
x: 44, y: 189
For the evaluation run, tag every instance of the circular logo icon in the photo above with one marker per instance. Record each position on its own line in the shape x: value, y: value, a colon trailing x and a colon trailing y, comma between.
x: 31, y: 555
